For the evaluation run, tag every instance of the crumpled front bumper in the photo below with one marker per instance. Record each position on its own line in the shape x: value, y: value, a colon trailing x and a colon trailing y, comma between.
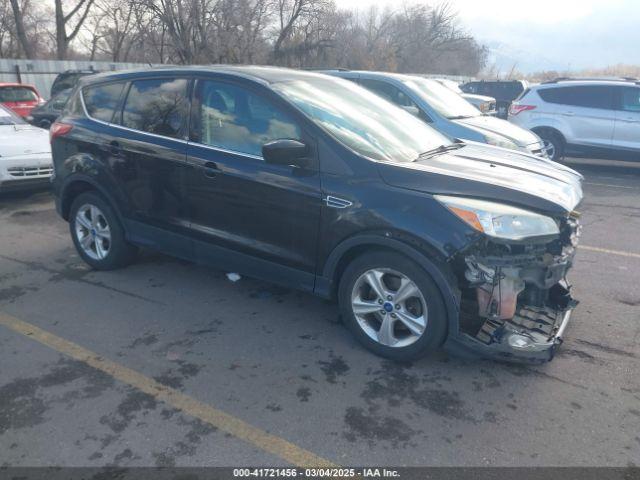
x: 515, y: 302
x: 541, y: 352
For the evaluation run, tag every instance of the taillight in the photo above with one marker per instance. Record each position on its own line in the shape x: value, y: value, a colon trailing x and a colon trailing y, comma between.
x: 58, y: 129
x: 516, y: 108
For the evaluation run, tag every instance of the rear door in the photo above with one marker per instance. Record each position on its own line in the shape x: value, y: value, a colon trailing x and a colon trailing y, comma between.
x: 147, y: 154
x: 254, y: 215
x: 394, y: 95
x: 586, y: 111
x: 627, y: 129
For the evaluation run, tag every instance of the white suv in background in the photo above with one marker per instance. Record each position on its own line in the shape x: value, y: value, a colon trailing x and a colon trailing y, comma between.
x: 583, y: 116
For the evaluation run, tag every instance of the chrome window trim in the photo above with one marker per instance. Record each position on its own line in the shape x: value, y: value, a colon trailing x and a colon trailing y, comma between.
x: 180, y: 140
x: 122, y: 127
x: 225, y: 150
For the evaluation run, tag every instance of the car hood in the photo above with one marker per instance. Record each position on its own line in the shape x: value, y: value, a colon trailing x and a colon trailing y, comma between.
x: 482, y: 171
x: 23, y: 140
x: 519, y: 135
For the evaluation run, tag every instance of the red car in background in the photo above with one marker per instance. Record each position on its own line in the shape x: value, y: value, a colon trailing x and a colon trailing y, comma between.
x: 19, y: 97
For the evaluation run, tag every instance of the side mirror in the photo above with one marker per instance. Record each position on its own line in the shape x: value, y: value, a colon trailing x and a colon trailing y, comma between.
x: 286, y: 152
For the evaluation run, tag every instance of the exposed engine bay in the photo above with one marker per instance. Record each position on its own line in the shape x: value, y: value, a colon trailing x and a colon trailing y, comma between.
x: 515, y: 298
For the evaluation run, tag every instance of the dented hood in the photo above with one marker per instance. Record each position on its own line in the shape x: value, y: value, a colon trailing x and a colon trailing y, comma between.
x: 497, y: 174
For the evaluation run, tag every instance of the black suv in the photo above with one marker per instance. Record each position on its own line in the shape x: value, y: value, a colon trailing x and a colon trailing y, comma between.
x: 315, y: 183
x: 504, y: 91
x: 68, y: 79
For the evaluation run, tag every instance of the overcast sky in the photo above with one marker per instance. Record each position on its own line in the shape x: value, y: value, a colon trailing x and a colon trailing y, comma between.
x: 546, y: 34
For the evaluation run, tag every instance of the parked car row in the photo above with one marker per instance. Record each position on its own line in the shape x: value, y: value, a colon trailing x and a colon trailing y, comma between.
x: 445, y: 110
x: 27, y: 102
x: 314, y: 182
x: 483, y: 103
x: 503, y: 91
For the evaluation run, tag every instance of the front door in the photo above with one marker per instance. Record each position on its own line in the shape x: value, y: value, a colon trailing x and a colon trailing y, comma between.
x: 247, y: 215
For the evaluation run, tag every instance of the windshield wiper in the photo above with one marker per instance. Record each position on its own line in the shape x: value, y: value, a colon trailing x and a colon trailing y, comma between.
x: 459, y: 117
x: 440, y: 150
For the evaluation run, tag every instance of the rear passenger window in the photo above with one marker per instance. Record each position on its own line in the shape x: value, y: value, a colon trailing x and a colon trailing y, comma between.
x: 102, y: 100
x: 389, y: 92
x: 232, y: 118
x: 596, y: 96
x: 157, y: 106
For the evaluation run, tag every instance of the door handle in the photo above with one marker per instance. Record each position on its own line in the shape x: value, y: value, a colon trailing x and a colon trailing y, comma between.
x: 568, y: 114
x: 211, y: 169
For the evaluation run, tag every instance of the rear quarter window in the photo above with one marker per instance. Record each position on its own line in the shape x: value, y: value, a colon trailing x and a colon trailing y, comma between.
x: 102, y: 100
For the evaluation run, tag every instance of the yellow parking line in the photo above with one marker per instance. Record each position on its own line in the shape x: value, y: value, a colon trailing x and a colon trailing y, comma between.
x: 238, y: 428
x: 611, y: 252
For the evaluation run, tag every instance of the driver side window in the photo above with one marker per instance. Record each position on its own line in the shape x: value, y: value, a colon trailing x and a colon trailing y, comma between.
x: 236, y: 119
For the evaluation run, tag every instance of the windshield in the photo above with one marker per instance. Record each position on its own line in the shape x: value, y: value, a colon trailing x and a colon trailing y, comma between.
x: 361, y: 120
x: 7, y: 117
x: 447, y: 103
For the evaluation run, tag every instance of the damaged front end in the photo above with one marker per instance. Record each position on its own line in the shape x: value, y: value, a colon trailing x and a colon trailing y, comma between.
x: 515, y: 299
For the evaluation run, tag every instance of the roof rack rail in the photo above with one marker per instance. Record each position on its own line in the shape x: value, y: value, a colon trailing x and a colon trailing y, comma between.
x: 591, y: 79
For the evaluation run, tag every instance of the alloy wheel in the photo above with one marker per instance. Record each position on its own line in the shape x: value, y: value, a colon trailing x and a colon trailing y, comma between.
x: 389, y: 307
x: 549, y: 148
x: 92, y: 232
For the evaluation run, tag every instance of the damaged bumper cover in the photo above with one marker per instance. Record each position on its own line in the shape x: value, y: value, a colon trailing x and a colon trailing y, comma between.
x: 515, y: 300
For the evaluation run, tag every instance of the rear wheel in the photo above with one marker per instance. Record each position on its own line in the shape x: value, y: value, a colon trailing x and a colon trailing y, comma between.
x: 392, y: 306
x: 553, y: 144
x: 97, y: 233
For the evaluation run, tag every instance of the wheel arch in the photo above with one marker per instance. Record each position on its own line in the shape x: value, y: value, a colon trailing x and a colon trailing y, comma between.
x: 78, y: 184
x: 543, y: 128
x: 427, y: 257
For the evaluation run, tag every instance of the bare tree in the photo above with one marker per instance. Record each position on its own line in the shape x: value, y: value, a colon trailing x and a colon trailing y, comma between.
x: 72, y: 20
x: 27, y: 48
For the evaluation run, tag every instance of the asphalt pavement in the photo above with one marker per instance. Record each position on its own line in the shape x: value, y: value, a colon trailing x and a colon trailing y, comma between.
x: 166, y: 363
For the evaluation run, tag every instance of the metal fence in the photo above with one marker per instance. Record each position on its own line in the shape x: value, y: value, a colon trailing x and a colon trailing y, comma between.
x: 42, y: 73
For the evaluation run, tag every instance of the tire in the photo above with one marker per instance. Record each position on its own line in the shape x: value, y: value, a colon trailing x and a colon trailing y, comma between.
x: 97, y: 233
x: 46, y: 124
x: 398, y: 341
x: 553, y: 143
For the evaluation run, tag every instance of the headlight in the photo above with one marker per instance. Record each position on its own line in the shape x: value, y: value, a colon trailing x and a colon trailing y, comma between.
x: 498, y: 141
x: 498, y: 220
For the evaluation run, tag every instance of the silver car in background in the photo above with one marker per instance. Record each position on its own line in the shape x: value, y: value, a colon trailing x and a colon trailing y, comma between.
x: 444, y: 110
x: 587, y: 116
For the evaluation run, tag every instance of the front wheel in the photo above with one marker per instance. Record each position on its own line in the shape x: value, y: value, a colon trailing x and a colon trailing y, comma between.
x: 392, y: 306
x: 97, y: 233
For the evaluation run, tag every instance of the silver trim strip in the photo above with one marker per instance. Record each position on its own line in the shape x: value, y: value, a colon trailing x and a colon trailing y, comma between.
x: 180, y: 140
